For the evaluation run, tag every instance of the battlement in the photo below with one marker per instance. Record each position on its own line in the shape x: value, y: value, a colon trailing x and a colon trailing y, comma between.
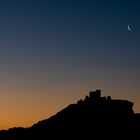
x: 115, y: 105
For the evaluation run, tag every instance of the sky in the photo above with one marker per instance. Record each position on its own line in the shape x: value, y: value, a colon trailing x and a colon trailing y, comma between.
x: 54, y: 52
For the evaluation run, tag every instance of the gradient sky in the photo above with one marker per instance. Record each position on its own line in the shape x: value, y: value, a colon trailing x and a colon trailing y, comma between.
x: 53, y: 52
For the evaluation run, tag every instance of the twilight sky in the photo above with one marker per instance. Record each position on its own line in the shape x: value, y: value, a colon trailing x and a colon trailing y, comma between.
x: 53, y: 52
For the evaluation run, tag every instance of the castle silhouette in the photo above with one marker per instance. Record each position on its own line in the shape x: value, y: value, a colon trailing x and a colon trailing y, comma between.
x: 95, y: 116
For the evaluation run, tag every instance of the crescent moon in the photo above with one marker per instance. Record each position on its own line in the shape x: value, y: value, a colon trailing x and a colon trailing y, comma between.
x: 129, y: 29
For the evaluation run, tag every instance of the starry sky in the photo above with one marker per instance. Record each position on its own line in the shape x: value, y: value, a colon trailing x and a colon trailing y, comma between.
x: 53, y: 52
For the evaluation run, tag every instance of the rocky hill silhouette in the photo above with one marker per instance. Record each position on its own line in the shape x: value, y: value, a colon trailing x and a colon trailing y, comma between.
x: 91, y: 118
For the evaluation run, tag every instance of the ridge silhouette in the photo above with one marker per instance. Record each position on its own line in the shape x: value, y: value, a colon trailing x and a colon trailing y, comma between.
x: 95, y: 116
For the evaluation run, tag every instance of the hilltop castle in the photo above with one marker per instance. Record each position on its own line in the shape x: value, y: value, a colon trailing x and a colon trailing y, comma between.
x: 107, y: 104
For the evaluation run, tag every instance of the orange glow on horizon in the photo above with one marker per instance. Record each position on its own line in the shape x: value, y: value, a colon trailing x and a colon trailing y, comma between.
x: 22, y: 103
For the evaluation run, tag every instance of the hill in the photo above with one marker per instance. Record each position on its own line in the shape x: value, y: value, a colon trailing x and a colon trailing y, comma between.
x: 95, y: 116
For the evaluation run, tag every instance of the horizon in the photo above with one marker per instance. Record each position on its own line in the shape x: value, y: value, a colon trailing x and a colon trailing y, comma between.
x: 31, y: 123
x: 76, y: 102
x: 53, y: 53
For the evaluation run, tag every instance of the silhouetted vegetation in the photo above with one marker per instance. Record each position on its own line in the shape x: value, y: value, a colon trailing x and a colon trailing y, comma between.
x: 91, y: 118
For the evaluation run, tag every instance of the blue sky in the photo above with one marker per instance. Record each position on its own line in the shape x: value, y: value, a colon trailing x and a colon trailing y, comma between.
x: 55, y: 51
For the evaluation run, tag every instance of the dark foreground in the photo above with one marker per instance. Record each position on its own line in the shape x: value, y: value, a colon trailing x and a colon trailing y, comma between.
x: 94, y: 117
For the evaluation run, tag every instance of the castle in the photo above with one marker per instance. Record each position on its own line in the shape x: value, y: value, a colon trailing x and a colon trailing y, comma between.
x: 111, y: 105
